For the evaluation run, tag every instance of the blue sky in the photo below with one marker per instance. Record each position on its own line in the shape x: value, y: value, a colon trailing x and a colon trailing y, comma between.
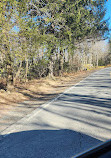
x: 108, y: 12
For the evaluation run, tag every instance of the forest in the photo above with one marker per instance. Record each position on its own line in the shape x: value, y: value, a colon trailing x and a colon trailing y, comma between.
x: 45, y: 38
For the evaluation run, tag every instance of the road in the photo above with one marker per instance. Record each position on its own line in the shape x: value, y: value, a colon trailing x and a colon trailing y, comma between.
x: 76, y: 120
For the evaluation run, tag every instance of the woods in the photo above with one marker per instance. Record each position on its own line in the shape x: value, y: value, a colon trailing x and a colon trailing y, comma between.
x: 42, y: 38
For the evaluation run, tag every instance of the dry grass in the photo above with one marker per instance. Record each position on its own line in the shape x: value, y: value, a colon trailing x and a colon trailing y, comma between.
x: 35, y: 88
x: 42, y: 89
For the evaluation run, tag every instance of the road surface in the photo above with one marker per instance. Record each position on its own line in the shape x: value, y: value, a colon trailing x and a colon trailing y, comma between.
x: 78, y: 119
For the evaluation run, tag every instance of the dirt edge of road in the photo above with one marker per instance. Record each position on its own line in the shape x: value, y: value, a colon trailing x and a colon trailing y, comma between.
x: 41, y: 90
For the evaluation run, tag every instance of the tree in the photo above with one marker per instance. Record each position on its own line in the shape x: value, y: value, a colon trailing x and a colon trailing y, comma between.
x: 48, y: 33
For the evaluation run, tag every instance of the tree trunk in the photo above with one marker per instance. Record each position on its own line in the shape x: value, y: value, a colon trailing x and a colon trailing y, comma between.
x: 61, y: 62
x: 51, y: 73
x: 9, y: 77
x: 97, y: 60
x: 9, y: 71
x: 51, y: 65
x: 17, y: 73
x: 26, y: 71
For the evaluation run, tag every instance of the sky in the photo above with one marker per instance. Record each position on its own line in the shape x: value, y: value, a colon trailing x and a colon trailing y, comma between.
x: 108, y: 12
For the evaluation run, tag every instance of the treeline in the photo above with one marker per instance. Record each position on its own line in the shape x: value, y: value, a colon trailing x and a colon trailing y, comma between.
x: 41, y: 38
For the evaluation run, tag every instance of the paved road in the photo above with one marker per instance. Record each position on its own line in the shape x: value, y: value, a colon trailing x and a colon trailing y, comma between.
x: 78, y: 119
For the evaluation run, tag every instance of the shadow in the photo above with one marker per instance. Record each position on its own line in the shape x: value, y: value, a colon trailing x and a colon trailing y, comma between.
x: 3, y: 86
x: 88, y: 106
x: 87, y: 100
x: 42, y: 98
x: 81, y: 119
x: 36, y: 95
x: 45, y: 144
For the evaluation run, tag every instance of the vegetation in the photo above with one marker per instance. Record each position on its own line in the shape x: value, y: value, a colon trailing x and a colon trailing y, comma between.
x: 41, y: 38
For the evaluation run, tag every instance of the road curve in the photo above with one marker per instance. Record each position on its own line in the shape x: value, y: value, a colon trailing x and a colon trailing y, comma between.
x: 78, y: 119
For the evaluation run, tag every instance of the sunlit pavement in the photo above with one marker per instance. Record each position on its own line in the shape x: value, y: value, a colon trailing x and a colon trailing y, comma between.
x: 78, y: 119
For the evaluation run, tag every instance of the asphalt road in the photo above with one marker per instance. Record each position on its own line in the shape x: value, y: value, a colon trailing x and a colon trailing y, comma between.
x: 78, y: 119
